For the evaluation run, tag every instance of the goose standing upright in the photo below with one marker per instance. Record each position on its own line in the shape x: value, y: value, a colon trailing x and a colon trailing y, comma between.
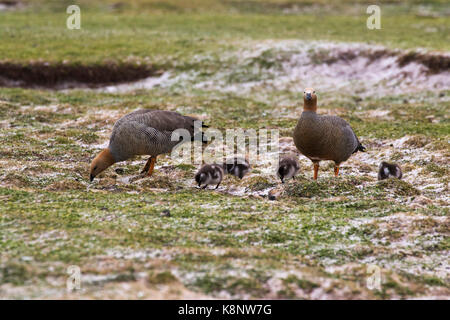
x: 324, y: 137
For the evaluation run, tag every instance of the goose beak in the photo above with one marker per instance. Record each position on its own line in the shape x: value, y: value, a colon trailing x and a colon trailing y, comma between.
x: 92, y: 177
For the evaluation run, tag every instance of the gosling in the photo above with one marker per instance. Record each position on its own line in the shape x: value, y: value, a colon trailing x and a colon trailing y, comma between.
x: 209, y: 174
x: 389, y: 170
x: 237, y: 167
x: 288, y: 167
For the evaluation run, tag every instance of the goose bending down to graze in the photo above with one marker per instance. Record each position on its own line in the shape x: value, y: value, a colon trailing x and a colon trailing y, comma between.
x: 143, y: 132
x: 287, y: 168
x: 209, y: 174
x: 389, y: 170
x: 324, y: 137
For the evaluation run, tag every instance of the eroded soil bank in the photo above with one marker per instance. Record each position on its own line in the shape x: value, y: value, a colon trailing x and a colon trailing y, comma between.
x: 287, y: 66
x: 270, y: 65
x: 63, y: 75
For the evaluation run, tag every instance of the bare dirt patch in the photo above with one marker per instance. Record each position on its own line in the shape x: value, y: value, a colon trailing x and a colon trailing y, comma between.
x: 434, y: 62
x: 9, y: 4
x: 64, y: 75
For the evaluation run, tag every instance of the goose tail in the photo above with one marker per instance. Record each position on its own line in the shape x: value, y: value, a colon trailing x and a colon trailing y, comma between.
x: 360, y: 147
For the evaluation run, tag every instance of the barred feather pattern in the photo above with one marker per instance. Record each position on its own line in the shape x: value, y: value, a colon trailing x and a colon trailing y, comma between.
x: 325, y: 137
x: 147, y: 132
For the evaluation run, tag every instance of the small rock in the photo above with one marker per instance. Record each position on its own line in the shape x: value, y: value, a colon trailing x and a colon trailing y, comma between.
x: 430, y: 118
x: 27, y: 258
x: 120, y: 170
x: 422, y: 200
x: 165, y: 213
x: 365, y: 168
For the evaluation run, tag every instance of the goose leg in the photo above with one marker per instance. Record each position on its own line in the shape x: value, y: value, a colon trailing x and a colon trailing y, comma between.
x: 316, y: 170
x: 336, y: 170
x: 149, y: 166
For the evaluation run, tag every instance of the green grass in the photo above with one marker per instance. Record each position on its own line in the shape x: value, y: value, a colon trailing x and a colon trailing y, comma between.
x: 171, y: 39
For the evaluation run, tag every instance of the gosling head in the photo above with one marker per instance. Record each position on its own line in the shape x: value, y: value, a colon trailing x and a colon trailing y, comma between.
x: 282, y: 172
x: 102, y: 161
x: 201, y: 178
x: 309, y: 99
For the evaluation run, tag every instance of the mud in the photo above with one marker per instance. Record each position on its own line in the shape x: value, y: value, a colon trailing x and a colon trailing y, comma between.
x: 64, y: 75
x: 9, y: 5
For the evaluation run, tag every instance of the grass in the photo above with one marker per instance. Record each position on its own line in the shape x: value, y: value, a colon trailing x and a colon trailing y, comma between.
x: 171, y: 39
x: 314, y: 241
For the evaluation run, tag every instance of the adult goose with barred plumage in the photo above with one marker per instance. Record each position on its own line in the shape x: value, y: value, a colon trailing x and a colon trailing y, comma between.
x: 143, y: 132
x: 322, y: 137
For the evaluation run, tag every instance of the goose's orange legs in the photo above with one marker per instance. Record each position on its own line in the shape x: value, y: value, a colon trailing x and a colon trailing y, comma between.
x: 336, y: 170
x: 316, y: 170
x: 149, y: 166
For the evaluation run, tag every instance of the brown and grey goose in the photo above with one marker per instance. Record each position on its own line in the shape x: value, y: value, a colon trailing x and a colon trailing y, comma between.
x: 322, y: 137
x: 143, y: 132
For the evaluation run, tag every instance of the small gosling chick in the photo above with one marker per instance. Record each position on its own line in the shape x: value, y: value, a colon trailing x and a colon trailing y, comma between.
x: 287, y: 168
x: 238, y: 167
x: 209, y: 174
x: 388, y: 170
